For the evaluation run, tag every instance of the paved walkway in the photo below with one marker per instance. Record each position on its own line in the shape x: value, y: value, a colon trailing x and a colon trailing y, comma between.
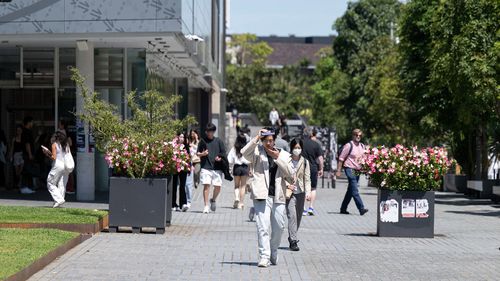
x: 222, y: 246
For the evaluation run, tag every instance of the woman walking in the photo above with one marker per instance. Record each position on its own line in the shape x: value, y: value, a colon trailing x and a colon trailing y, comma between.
x: 179, y: 179
x: 239, y: 170
x: 270, y: 171
x: 297, y: 192
x: 58, y: 175
x: 194, y: 141
x: 16, y: 156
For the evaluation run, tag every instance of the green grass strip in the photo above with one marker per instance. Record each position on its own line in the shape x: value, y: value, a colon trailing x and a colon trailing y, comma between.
x: 21, y: 247
x: 18, y: 214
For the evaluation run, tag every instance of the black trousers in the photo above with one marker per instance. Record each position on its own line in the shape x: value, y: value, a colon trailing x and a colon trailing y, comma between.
x: 179, y: 181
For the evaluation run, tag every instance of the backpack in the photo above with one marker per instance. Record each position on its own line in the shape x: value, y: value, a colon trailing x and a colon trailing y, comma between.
x: 350, y: 149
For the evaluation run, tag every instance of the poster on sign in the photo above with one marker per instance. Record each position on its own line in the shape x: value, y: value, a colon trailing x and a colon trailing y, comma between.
x: 389, y: 211
x: 422, y: 208
x: 408, y: 208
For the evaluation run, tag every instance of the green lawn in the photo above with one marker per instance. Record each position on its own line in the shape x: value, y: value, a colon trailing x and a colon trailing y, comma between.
x: 15, y: 214
x: 21, y: 247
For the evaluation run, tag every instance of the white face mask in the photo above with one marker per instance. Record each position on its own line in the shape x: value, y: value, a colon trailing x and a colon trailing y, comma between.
x: 297, y: 151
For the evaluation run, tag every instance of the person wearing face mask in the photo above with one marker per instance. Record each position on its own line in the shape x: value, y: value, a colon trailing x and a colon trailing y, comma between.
x: 271, y: 172
x: 297, y: 191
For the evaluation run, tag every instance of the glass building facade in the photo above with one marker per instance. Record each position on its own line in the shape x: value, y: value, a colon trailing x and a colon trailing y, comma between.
x: 117, y: 45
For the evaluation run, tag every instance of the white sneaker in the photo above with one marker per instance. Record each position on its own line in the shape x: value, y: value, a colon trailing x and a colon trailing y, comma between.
x: 58, y: 204
x: 263, y: 262
x: 185, y: 207
x: 206, y: 210
x: 26, y: 190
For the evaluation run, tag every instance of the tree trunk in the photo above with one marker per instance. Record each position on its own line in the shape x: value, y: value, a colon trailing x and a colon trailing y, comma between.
x: 478, y: 156
x: 485, y: 163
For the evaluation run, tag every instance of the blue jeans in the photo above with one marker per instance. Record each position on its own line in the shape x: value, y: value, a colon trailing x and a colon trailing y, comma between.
x: 352, y: 191
x: 189, y: 187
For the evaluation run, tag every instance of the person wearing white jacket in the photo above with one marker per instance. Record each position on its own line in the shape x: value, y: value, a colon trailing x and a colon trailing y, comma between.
x: 270, y: 173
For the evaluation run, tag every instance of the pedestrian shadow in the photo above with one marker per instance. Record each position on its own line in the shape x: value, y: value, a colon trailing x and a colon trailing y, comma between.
x: 247, y: 263
x: 337, y: 213
x: 477, y: 213
x: 466, y: 202
x: 369, y: 234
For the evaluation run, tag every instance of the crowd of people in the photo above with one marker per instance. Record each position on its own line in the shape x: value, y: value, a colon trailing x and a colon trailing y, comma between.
x: 281, y: 175
x: 36, y: 161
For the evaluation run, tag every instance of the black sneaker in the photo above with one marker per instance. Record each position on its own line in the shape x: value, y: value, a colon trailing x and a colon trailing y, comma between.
x: 212, y: 205
x: 294, y: 246
x: 363, y: 211
x: 344, y: 212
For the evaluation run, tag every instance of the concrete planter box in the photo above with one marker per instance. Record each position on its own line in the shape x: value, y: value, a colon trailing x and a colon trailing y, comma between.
x: 402, y: 213
x: 455, y: 183
x: 482, y: 189
x: 496, y: 193
x: 140, y: 203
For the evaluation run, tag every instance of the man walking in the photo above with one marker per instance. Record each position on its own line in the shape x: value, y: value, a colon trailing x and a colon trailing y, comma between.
x: 312, y: 151
x: 210, y: 150
x: 349, y: 158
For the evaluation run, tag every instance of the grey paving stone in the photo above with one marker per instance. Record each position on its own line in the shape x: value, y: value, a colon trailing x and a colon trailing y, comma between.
x: 223, y: 246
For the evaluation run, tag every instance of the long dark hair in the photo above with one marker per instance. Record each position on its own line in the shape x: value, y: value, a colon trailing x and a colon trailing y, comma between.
x: 196, y: 132
x: 61, y: 138
x: 240, y: 142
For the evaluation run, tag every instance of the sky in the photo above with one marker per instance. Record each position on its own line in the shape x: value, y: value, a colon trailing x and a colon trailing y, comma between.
x: 285, y: 17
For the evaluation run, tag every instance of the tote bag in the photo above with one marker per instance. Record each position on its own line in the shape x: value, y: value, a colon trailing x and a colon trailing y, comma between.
x: 69, y: 163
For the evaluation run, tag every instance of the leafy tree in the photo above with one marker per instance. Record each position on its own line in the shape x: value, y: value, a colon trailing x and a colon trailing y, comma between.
x: 255, y: 88
x: 450, y: 63
x: 330, y: 87
x: 361, y: 46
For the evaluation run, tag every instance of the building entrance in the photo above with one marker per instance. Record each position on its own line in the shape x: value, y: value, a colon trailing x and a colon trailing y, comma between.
x: 41, y: 105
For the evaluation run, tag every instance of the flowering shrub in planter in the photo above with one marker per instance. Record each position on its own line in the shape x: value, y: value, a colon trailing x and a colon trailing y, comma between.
x: 401, y: 168
x: 144, y: 145
x: 129, y: 157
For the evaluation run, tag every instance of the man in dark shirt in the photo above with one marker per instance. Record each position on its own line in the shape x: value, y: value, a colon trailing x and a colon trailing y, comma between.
x: 27, y: 143
x: 210, y: 150
x: 312, y: 151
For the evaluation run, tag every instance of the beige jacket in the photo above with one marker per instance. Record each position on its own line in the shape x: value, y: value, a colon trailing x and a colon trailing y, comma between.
x: 302, y: 175
x: 256, y: 155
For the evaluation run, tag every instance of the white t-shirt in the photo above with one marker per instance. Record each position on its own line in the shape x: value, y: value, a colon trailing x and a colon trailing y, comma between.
x: 233, y: 159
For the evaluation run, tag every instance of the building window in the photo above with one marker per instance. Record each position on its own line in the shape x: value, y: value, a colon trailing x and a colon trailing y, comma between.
x: 9, y: 66
x: 67, y: 59
x: 215, y: 31
x: 108, y: 68
x: 38, y: 67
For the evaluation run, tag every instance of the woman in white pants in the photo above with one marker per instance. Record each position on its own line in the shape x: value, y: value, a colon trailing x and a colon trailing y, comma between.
x: 270, y: 174
x: 58, y: 176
